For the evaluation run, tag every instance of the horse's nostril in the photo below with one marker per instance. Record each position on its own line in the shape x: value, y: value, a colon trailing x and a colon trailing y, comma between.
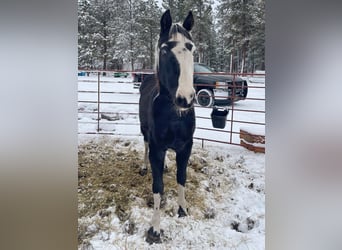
x: 183, y: 103
x: 180, y: 101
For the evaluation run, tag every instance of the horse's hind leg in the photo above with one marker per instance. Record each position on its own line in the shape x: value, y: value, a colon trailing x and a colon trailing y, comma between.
x: 143, y: 169
x: 182, y: 158
x: 166, y: 168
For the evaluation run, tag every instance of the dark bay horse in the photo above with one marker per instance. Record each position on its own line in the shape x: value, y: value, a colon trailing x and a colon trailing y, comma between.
x: 166, y: 111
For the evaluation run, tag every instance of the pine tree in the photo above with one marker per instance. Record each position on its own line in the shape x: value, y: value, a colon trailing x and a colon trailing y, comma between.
x: 113, y: 34
x: 105, y: 30
x: 149, y: 18
x: 98, y: 28
x: 242, y: 32
x: 257, y: 43
x: 203, y: 32
x: 178, y: 8
x: 128, y: 33
x: 86, y: 25
x: 202, y: 29
x: 212, y: 55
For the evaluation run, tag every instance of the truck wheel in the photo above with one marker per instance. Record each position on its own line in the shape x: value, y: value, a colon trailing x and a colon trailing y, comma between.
x: 205, y: 98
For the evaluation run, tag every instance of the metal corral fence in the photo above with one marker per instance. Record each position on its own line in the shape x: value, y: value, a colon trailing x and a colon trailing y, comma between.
x: 108, y: 104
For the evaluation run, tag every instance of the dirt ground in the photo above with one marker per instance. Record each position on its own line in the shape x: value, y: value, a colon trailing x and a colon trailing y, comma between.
x: 108, y: 176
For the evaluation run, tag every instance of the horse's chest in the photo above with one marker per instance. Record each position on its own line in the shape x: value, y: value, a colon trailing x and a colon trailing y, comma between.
x: 169, y: 128
x: 173, y: 131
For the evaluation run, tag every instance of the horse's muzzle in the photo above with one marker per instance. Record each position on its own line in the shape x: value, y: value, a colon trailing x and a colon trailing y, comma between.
x: 184, y: 103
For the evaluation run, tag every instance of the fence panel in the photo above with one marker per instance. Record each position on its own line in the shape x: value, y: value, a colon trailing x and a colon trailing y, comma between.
x: 108, y: 104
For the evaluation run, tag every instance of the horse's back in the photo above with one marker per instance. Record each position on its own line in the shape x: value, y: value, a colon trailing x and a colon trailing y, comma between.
x: 148, y: 90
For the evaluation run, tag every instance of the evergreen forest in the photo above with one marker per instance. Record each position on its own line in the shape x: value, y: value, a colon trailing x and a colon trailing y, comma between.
x: 121, y: 34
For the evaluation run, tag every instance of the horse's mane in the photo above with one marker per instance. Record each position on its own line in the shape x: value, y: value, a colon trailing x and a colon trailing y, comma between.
x: 178, y: 28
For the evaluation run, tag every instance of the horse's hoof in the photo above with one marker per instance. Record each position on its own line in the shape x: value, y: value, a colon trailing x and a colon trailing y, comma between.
x: 181, y: 212
x: 152, y: 237
x: 143, y: 171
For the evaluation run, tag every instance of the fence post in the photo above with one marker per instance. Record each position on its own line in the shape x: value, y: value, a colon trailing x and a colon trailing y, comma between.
x: 232, y: 109
x: 98, y: 101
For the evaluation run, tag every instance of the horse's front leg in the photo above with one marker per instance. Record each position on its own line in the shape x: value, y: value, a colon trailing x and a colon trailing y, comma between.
x: 156, y: 156
x: 182, y: 158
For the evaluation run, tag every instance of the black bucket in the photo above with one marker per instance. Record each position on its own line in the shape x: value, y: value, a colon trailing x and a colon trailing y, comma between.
x: 219, y: 117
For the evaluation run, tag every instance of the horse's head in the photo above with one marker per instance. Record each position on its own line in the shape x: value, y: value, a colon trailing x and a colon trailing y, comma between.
x: 174, y: 60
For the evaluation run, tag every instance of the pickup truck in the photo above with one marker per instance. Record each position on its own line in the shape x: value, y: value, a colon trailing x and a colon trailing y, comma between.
x: 211, y: 88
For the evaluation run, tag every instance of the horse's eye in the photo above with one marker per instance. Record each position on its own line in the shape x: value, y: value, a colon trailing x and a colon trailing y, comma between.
x: 189, y: 46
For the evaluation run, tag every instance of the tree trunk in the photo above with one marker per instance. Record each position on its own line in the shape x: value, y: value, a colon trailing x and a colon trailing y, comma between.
x: 132, y: 60
x: 151, y: 50
x: 104, y: 64
x: 243, y: 59
x: 104, y: 47
x: 131, y: 38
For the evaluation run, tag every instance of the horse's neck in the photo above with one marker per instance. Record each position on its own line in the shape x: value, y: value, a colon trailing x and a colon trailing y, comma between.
x: 162, y: 100
x: 162, y: 91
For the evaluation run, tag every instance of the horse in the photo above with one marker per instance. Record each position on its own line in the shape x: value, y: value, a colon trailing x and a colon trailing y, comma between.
x: 166, y: 111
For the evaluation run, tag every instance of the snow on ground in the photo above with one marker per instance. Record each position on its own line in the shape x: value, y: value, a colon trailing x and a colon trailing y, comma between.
x: 228, y: 182
x: 231, y: 184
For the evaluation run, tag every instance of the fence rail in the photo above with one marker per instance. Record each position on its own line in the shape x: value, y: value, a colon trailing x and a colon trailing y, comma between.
x: 108, y: 105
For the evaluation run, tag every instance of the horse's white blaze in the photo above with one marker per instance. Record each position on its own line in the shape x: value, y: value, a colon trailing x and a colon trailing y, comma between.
x: 156, y: 214
x: 181, y: 197
x: 186, y: 63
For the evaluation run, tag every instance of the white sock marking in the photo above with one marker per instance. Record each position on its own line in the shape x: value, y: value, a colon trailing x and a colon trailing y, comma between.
x: 156, y: 213
x: 181, y: 197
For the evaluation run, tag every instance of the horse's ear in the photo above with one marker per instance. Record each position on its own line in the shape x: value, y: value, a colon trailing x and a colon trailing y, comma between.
x: 189, y: 21
x: 165, y: 22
